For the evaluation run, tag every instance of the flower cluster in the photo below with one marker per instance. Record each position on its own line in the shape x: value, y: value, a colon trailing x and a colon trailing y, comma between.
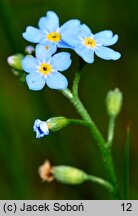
x: 46, y: 66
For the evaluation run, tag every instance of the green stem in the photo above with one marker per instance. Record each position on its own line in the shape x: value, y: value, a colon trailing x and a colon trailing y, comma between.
x: 77, y: 104
x: 106, y: 154
x: 101, y: 182
x: 80, y: 122
x: 76, y: 84
x: 111, y: 128
x: 102, y: 145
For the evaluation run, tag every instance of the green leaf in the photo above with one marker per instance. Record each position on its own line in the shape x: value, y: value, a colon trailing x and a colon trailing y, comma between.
x: 126, y: 165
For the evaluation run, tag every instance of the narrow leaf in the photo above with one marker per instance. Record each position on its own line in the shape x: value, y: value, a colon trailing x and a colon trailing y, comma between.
x: 126, y: 164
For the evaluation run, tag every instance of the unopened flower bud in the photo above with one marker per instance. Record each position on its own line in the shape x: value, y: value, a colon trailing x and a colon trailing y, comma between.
x: 69, y: 175
x: 15, y: 61
x: 43, y: 128
x: 29, y: 50
x: 57, y: 123
x: 114, y: 101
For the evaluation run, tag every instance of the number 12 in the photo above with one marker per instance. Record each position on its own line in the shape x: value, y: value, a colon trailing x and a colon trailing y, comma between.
x: 126, y: 206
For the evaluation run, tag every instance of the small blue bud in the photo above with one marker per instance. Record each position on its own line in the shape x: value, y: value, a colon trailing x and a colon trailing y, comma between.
x: 29, y: 50
x: 41, y: 128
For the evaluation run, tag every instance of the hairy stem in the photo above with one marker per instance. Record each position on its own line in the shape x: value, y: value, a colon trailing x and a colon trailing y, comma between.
x: 76, y: 84
x: 101, y: 143
x: 94, y: 131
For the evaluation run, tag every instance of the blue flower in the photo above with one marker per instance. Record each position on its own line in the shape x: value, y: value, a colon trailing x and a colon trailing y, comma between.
x: 85, y: 43
x: 44, y: 69
x: 49, y: 32
x: 41, y: 128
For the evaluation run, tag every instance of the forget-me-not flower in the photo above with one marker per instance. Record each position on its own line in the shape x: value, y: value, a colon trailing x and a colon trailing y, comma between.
x: 85, y: 43
x: 49, y: 32
x: 41, y: 128
x: 44, y: 69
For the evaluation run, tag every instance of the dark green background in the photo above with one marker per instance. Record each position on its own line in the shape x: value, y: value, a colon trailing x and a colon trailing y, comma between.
x: 20, y: 153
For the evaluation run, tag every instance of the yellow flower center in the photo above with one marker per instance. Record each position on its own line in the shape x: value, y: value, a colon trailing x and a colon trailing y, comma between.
x: 45, y: 68
x: 89, y: 42
x: 54, y: 36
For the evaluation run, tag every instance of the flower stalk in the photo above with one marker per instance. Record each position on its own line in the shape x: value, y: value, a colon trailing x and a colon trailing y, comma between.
x: 101, y: 182
x: 111, y: 129
x: 101, y: 143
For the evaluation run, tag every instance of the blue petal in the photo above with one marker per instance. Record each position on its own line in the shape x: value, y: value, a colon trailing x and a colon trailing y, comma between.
x: 106, y: 38
x: 35, y: 81
x: 107, y: 41
x: 38, y: 134
x: 56, y: 80
x: 50, y: 22
x: 103, y: 34
x: 33, y: 35
x: 41, y: 128
x: 107, y: 53
x: 43, y: 54
x: 86, y: 53
x: 50, y: 46
x: 85, y: 31
x: 61, y: 61
x: 29, y: 64
x: 44, y: 128
x: 70, y: 26
x: 36, y: 124
x: 42, y: 23
x: 69, y: 31
x: 62, y: 44
x: 71, y: 39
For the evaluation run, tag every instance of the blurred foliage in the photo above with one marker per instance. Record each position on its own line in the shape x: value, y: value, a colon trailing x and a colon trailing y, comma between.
x: 20, y: 153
